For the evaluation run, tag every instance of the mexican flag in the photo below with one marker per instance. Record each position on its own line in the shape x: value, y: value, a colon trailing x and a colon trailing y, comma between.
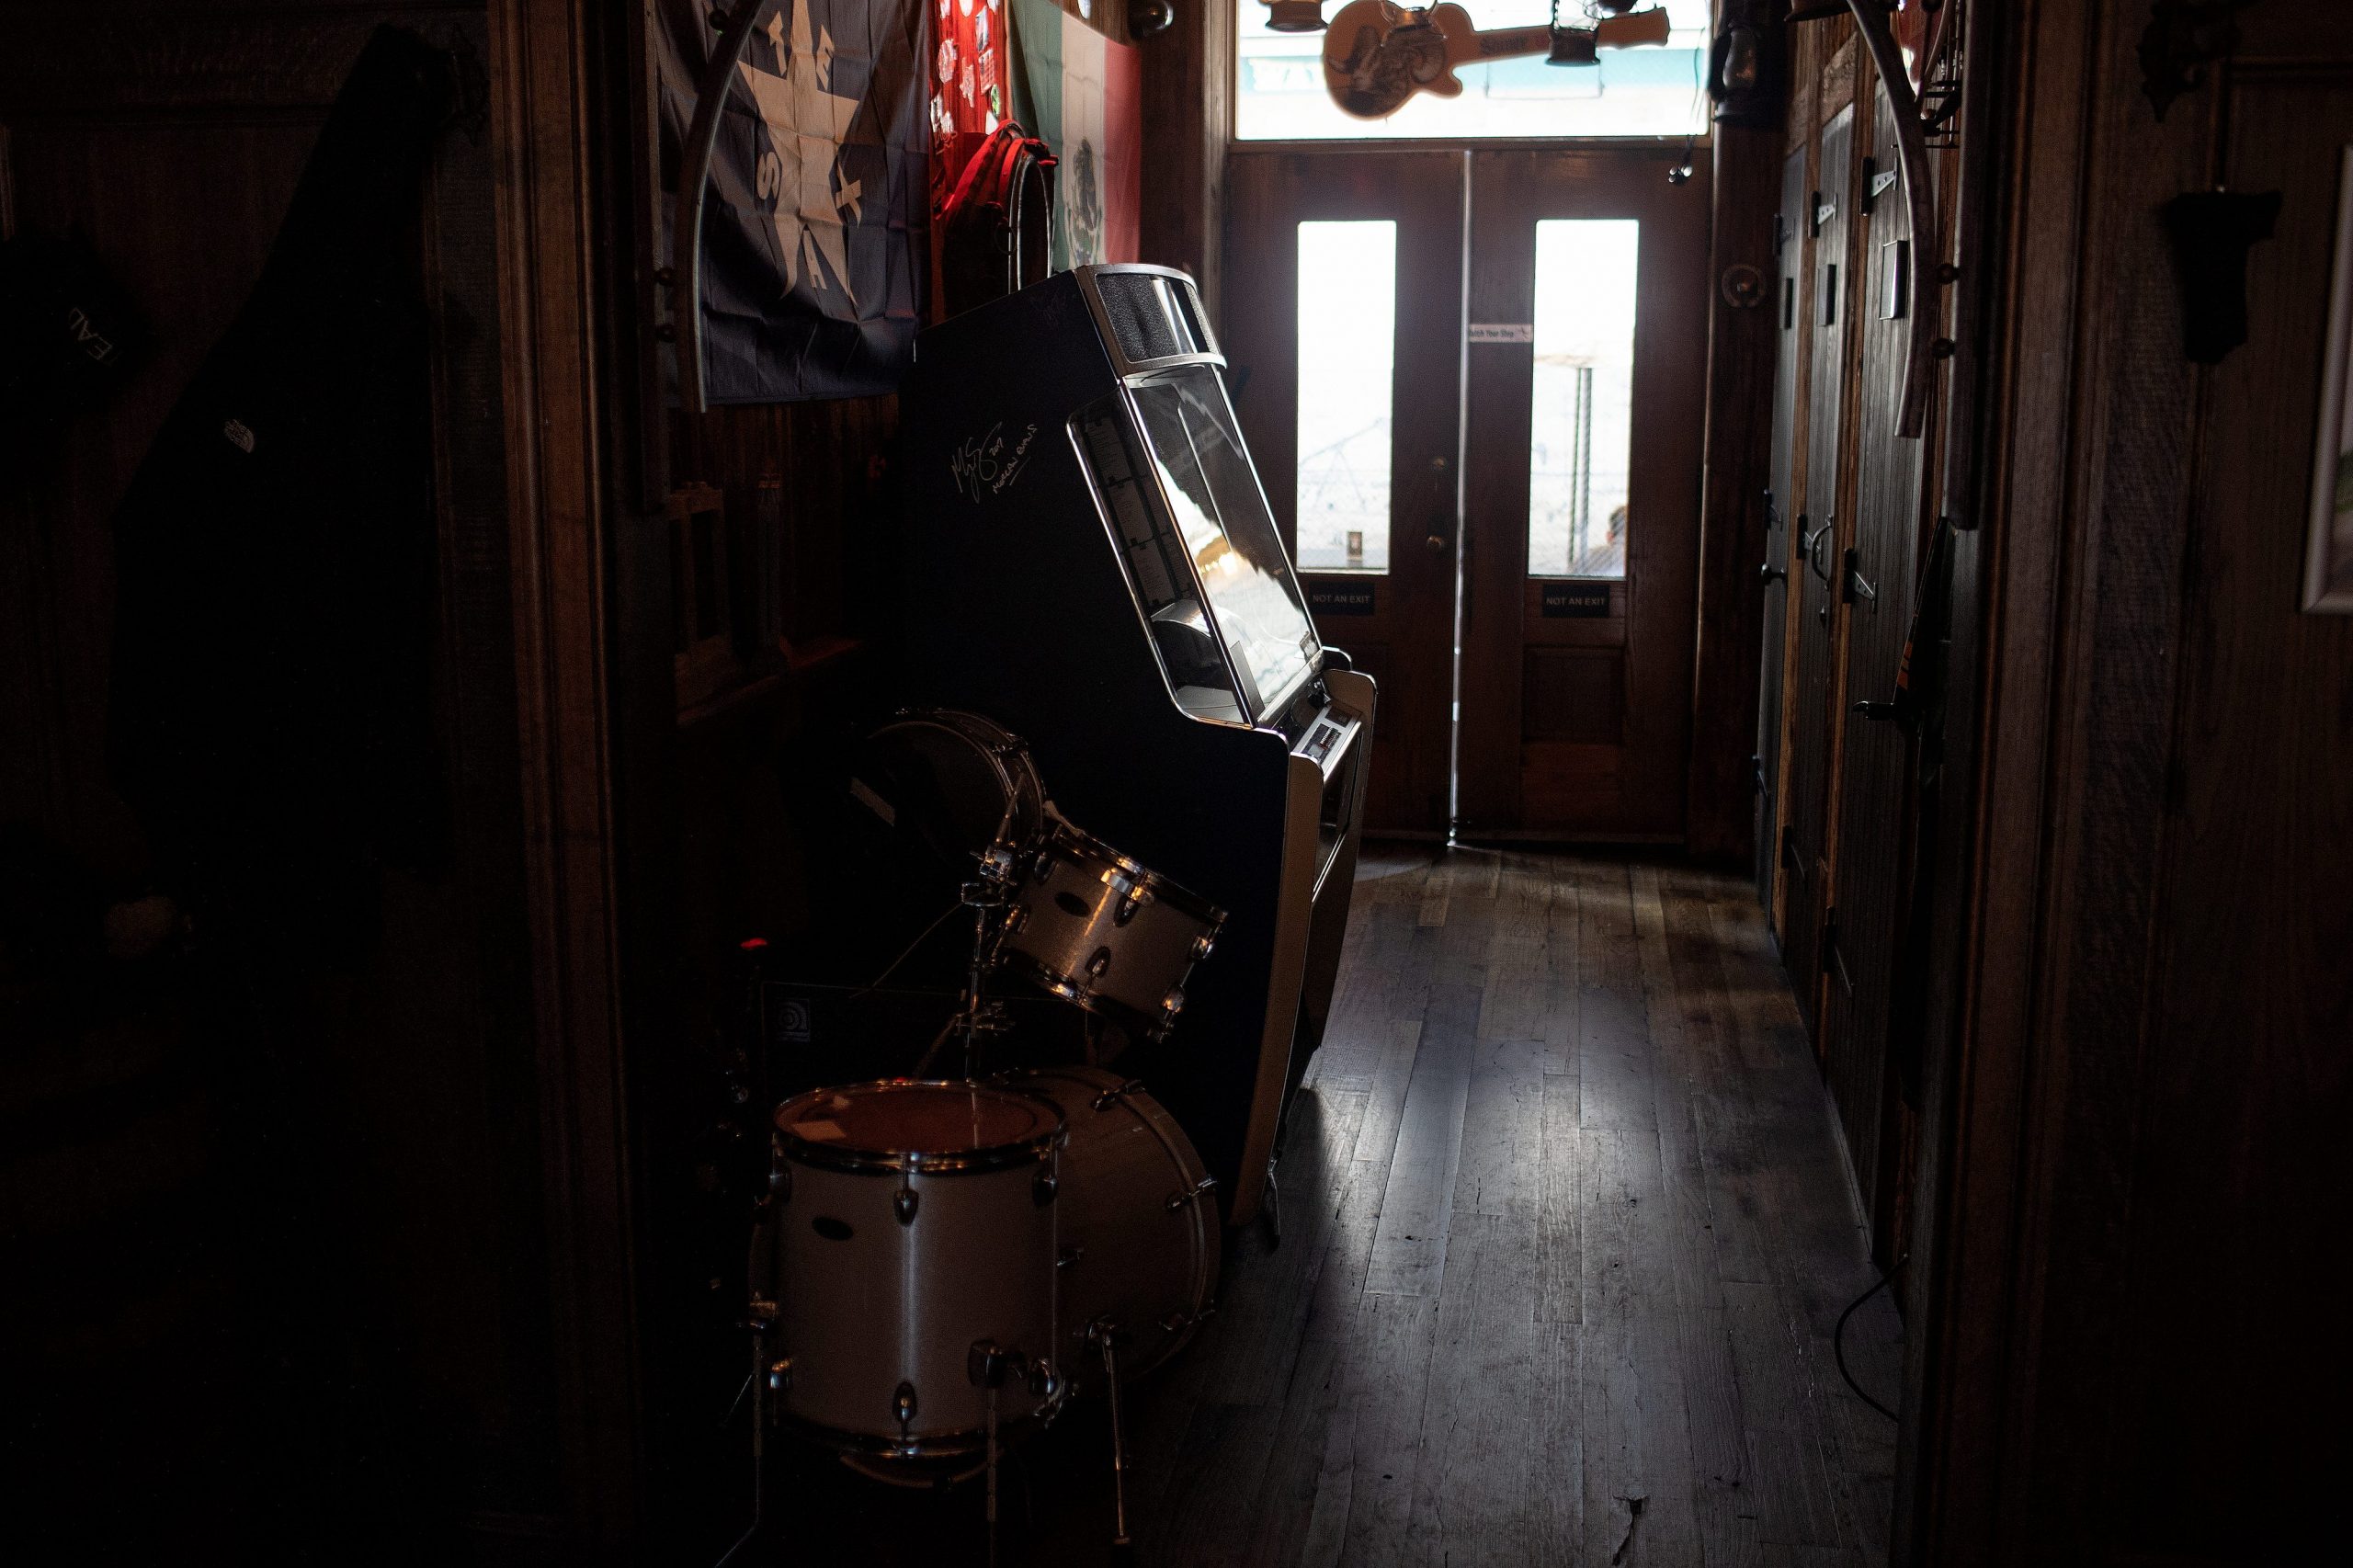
x: 1080, y: 92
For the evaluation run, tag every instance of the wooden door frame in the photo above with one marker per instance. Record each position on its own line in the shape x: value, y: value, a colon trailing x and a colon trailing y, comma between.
x: 1497, y: 590
x: 1720, y: 820
x: 572, y: 128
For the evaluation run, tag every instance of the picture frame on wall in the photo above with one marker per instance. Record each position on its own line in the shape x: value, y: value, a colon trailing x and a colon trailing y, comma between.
x: 2329, y: 558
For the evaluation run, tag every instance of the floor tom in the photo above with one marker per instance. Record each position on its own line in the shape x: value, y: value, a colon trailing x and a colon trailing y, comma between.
x: 911, y: 1221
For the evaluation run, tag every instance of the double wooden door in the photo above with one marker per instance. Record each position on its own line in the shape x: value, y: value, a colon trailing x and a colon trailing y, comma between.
x: 1472, y: 383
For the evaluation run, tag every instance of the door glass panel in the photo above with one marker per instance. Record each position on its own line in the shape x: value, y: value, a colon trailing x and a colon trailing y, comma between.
x: 1347, y: 352
x: 1506, y: 88
x: 1580, y: 437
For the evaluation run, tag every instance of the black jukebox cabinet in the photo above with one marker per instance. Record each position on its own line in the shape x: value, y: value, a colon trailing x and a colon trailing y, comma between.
x: 1091, y: 563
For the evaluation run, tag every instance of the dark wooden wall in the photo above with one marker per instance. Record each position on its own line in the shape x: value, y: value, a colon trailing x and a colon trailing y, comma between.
x: 1844, y: 863
x: 276, y: 1234
x: 1188, y: 125
x: 2127, y: 1343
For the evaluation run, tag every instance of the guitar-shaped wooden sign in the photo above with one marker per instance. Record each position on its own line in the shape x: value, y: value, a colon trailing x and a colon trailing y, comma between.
x: 1377, y: 55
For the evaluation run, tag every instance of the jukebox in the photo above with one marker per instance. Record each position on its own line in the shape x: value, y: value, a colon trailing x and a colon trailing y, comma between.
x: 1090, y: 560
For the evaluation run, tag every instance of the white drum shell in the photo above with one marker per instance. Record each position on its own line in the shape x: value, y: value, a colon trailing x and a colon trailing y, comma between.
x: 1139, y: 1226
x: 1067, y: 932
x: 893, y: 1303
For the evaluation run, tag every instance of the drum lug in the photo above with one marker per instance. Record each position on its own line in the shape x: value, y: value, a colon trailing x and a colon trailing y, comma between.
x: 1098, y: 964
x: 1172, y: 1004
x: 1118, y: 1092
x: 780, y: 1173
x: 903, y: 1406
x: 760, y: 1314
x: 1175, y: 1322
x: 1178, y: 1200
x: 1015, y: 919
x: 1203, y: 944
x: 1043, y: 1186
x: 780, y: 1374
x: 985, y: 1363
x: 902, y: 1205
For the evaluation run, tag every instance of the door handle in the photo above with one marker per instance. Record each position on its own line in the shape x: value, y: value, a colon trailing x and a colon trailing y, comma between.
x: 1434, y: 544
x: 1768, y: 573
x: 1810, y: 544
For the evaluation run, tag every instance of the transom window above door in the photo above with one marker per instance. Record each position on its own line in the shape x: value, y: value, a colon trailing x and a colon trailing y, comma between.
x: 1279, y: 92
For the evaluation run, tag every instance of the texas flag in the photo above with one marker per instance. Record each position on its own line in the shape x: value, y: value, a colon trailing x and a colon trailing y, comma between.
x: 1080, y: 92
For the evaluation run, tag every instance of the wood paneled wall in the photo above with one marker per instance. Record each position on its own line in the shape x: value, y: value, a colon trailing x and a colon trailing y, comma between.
x: 326, y: 1267
x: 2127, y: 1339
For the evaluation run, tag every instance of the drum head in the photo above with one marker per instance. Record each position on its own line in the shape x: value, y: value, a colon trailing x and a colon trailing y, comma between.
x: 913, y: 1125
x: 951, y: 783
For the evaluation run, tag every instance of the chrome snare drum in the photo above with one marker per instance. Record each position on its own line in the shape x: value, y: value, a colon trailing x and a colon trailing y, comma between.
x: 1096, y: 928
x: 1138, y: 1224
x: 912, y: 1220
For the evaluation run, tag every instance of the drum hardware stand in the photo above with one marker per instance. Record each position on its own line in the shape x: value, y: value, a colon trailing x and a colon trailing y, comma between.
x: 986, y: 1364
x: 986, y: 896
x: 1103, y: 1332
x: 767, y: 1376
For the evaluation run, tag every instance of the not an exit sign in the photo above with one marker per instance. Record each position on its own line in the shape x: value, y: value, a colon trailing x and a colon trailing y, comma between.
x: 1575, y: 600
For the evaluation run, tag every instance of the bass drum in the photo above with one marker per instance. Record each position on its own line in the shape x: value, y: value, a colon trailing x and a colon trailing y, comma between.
x: 1138, y: 1225
x: 955, y: 787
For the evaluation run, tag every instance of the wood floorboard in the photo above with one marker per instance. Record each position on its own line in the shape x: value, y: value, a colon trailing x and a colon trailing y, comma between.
x: 1565, y: 1240
x: 1409, y: 1247
x: 1560, y: 1223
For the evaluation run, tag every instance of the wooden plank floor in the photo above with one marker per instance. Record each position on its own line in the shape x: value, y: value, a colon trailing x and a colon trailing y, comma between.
x: 1566, y: 1234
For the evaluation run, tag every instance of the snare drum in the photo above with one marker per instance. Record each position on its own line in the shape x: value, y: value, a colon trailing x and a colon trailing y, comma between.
x: 912, y: 1220
x: 1096, y: 929
x: 955, y: 784
x: 1138, y: 1224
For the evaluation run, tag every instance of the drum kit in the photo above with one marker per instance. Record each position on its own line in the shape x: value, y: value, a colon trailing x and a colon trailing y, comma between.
x: 941, y: 1264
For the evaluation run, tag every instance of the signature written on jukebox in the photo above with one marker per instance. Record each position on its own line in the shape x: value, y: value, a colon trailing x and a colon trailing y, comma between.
x: 987, y: 464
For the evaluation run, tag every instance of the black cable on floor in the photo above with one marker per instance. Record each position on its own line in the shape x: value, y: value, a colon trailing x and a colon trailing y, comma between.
x: 1838, y: 1335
